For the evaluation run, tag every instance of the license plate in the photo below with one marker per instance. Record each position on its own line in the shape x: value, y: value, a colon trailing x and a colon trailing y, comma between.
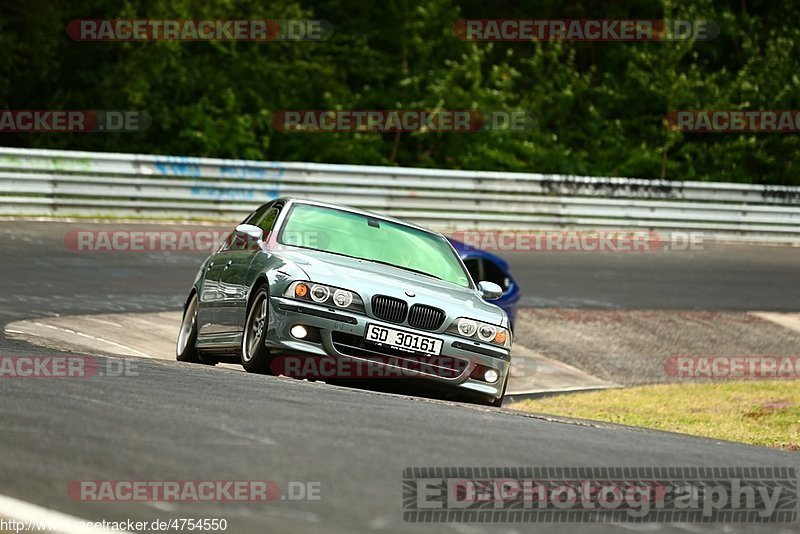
x: 403, y: 340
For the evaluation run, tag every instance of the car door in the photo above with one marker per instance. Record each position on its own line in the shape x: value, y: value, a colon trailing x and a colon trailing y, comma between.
x: 233, y: 281
x: 211, y: 295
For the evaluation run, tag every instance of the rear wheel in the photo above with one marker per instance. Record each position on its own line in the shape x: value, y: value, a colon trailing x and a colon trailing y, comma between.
x: 254, y: 354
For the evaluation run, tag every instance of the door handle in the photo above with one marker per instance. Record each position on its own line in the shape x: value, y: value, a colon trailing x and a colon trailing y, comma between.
x: 227, y: 265
x: 210, y: 265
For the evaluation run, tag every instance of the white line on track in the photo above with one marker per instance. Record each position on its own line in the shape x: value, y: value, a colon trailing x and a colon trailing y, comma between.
x: 95, y: 338
x: 786, y: 320
x: 101, y: 321
x: 264, y: 440
x: 31, y: 514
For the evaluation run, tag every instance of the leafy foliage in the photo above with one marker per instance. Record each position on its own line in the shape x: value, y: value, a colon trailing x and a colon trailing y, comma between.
x: 599, y: 107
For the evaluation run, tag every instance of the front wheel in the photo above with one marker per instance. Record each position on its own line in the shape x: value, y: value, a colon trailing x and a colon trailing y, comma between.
x: 254, y: 354
x: 498, y: 403
x: 185, y: 350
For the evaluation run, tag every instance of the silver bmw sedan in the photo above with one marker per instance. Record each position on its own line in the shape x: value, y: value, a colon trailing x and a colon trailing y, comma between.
x: 320, y: 291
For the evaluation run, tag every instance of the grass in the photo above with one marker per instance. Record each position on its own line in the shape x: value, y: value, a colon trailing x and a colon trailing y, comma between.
x: 757, y: 412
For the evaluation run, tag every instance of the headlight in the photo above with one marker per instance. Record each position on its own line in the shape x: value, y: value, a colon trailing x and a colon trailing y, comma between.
x: 488, y: 333
x: 325, y: 295
x: 467, y: 327
x: 320, y: 293
x: 342, y: 298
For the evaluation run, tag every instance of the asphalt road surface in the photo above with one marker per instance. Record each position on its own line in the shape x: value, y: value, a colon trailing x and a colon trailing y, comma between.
x: 42, y: 276
x: 176, y: 421
x: 721, y: 277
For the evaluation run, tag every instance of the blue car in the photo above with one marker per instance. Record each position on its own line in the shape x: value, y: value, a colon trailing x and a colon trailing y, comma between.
x: 483, y: 265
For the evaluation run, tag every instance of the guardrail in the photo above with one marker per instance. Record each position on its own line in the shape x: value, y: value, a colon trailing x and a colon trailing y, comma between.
x: 93, y: 184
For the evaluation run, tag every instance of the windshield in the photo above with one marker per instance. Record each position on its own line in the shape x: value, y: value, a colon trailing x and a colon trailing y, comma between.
x: 373, y: 239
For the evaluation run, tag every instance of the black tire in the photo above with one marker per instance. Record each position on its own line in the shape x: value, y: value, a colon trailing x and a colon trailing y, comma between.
x: 185, y: 350
x: 254, y: 354
x: 498, y: 403
x: 188, y: 352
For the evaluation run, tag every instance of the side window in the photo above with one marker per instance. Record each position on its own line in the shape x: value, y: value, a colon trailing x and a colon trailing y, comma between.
x: 267, y: 220
x: 474, y: 267
x: 264, y: 217
x: 258, y: 214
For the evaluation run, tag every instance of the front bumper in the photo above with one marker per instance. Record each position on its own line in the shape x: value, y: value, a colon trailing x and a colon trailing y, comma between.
x: 341, y: 336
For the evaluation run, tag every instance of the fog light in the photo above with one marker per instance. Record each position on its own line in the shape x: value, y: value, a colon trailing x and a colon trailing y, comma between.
x: 491, y: 376
x: 299, y: 331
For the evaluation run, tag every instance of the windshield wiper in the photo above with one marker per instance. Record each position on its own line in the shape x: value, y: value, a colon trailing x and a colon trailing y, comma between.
x: 404, y: 268
x: 369, y: 260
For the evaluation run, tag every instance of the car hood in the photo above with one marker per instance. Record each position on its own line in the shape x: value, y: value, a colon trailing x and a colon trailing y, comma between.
x: 368, y: 278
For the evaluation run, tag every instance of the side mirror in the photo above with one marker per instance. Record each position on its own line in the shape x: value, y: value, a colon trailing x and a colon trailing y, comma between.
x: 252, y: 235
x: 490, y: 290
